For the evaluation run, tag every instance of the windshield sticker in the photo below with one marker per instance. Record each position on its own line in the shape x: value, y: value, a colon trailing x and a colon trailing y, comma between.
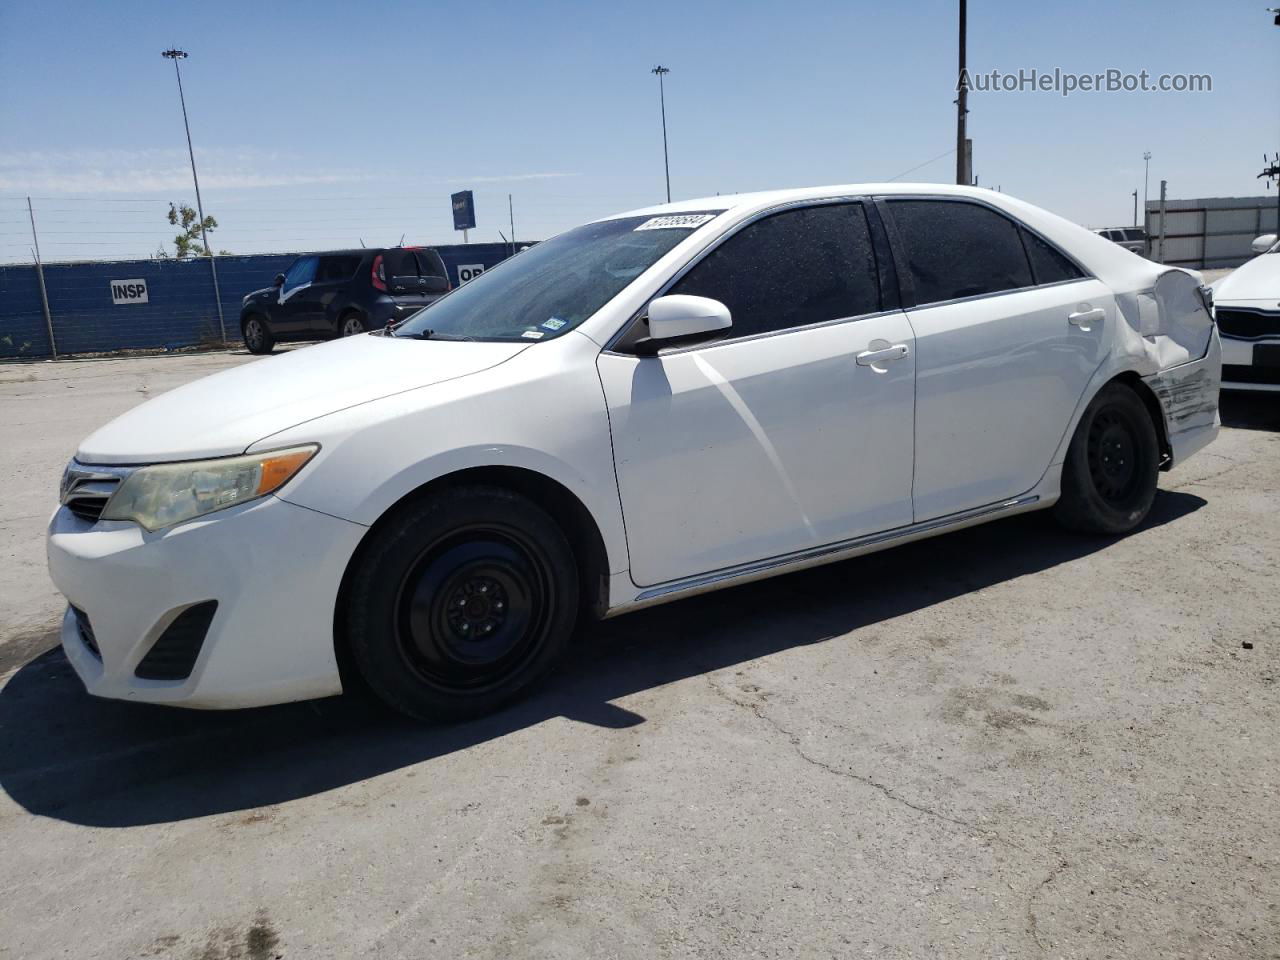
x: 532, y: 334
x: 683, y: 221
x: 555, y: 323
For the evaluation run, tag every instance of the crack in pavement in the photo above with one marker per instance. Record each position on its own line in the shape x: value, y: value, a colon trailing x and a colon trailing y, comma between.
x: 756, y: 709
x: 1033, y: 926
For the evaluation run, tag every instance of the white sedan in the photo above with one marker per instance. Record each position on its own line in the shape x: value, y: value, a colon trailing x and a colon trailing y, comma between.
x: 1247, y: 306
x: 649, y: 406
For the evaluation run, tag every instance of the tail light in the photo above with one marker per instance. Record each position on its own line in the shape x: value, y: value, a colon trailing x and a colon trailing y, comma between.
x: 378, y: 275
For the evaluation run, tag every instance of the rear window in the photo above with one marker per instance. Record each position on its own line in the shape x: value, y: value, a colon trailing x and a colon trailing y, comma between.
x: 957, y: 249
x: 413, y: 263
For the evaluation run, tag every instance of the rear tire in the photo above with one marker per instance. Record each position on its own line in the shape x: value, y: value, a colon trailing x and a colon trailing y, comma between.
x: 1109, y: 477
x: 352, y: 324
x: 461, y: 603
x: 257, y: 334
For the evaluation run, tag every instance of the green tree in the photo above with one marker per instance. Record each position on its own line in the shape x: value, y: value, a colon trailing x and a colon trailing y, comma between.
x: 190, y: 242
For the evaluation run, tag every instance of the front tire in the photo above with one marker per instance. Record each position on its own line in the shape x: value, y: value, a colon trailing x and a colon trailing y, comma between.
x: 1109, y: 477
x: 461, y: 602
x: 257, y: 334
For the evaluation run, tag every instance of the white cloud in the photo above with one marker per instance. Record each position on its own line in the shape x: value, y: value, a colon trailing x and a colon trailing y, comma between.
x: 96, y: 171
x: 507, y: 178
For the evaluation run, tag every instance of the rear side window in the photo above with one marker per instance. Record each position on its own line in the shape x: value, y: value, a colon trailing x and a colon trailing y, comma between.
x: 336, y: 268
x: 791, y: 269
x: 1047, y: 264
x: 956, y: 249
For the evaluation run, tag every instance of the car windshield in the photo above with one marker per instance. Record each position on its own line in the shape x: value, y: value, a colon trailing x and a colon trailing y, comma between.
x: 552, y: 287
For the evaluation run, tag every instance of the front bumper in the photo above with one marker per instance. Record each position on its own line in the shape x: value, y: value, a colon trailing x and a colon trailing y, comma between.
x: 274, y: 569
x: 1240, y: 370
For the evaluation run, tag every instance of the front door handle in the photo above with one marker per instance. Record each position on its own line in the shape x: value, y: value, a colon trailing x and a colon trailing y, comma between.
x: 1084, y: 319
x: 881, y: 355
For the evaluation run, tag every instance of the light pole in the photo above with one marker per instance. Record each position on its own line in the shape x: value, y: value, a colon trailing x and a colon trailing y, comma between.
x: 1146, y: 177
x: 662, y: 71
x: 964, y: 175
x: 175, y: 55
x: 1135, y: 208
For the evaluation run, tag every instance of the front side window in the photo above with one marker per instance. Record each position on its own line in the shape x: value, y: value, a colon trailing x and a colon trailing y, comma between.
x: 550, y: 288
x: 791, y: 269
x: 956, y: 249
x: 303, y: 270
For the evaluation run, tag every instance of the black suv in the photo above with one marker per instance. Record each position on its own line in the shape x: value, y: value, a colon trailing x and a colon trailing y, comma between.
x: 325, y: 295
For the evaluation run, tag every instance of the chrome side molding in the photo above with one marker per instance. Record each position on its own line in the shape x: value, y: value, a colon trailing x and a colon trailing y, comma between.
x: 828, y: 553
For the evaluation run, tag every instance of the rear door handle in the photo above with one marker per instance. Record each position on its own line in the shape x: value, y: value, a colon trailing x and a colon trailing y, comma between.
x: 1084, y: 319
x: 869, y: 358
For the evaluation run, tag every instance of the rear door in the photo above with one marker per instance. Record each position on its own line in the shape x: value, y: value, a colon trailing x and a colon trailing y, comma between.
x: 320, y: 303
x: 792, y: 431
x: 415, y: 277
x: 1009, y: 332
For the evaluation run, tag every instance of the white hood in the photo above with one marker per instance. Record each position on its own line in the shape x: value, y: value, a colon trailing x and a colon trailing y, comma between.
x: 1257, y: 280
x: 223, y: 414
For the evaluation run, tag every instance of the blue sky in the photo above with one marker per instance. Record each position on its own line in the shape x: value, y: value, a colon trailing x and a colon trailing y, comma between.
x: 320, y: 123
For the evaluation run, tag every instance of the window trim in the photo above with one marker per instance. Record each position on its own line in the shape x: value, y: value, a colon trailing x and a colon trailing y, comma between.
x: 909, y: 301
x: 622, y: 342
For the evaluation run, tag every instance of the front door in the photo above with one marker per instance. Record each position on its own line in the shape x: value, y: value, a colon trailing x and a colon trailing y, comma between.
x: 791, y: 432
x: 292, y: 314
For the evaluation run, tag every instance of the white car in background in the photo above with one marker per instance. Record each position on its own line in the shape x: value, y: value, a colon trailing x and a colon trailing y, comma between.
x: 1247, y: 307
x: 649, y: 406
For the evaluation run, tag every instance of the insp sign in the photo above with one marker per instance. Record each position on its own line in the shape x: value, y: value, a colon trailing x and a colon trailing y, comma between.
x: 128, y: 291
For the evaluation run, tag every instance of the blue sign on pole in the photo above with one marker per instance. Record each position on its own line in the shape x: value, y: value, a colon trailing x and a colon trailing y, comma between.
x: 464, y: 210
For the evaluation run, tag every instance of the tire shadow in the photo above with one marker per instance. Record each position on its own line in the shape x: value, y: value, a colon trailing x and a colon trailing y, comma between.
x: 105, y: 763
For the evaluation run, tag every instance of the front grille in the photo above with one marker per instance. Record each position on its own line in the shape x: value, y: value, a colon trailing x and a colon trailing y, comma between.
x: 85, y: 629
x: 86, y: 489
x: 1239, y: 373
x: 1247, y: 324
x: 173, y: 656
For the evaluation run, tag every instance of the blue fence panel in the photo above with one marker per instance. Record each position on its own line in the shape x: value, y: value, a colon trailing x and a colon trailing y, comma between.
x: 22, y: 327
x: 180, y: 311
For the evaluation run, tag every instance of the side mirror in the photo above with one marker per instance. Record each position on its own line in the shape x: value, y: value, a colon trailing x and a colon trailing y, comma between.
x: 679, y: 316
x: 278, y: 281
x: 1263, y: 243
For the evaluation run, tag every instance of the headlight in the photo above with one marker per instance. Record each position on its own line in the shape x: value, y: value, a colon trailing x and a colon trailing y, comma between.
x: 169, y: 493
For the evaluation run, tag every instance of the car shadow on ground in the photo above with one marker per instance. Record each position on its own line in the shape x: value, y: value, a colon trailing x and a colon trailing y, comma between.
x: 1250, y: 410
x: 68, y: 756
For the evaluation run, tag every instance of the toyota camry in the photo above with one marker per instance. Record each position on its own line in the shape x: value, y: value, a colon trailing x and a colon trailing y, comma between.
x: 646, y: 407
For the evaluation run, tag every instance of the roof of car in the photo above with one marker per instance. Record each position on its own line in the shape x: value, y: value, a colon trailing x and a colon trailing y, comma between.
x: 768, y: 198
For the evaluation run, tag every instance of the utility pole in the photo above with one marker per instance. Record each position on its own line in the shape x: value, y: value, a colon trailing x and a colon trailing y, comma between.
x: 1146, y: 185
x: 511, y: 213
x: 1164, y: 190
x: 662, y: 71
x: 963, y: 156
x: 44, y: 295
x: 175, y: 55
x: 1135, y: 207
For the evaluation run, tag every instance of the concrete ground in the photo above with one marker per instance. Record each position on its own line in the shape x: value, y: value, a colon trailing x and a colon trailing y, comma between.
x: 1007, y: 742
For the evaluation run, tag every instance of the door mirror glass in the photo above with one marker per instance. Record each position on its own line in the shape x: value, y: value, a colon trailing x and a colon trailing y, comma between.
x: 678, y: 316
x: 279, y: 280
x: 1263, y: 243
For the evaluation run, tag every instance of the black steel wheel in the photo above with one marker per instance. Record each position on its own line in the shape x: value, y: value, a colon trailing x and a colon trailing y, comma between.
x: 1109, y: 476
x: 257, y: 334
x: 461, y: 602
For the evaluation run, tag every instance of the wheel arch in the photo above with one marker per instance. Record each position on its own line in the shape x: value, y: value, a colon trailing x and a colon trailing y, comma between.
x: 1154, y: 410
x: 572, y: 515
